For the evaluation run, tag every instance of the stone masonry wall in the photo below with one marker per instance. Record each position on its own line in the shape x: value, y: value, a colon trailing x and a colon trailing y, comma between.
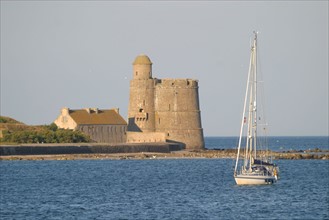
x: 105, y: 133
x: 178, y: 113
x: 141, y: 137
x: 141, y: 105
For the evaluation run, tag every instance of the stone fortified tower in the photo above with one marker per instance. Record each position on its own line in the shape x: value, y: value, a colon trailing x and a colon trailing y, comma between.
x: 166, y: 106
x: 141, y: 104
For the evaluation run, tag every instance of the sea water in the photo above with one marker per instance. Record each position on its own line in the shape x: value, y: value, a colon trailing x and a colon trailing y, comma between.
x: 159, y: 189
x: 275, y: 143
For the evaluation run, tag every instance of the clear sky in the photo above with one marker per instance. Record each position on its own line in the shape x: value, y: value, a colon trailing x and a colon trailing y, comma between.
x: 79, y: 54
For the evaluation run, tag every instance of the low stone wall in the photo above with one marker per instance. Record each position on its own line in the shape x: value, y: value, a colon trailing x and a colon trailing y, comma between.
x: 142, y: 137
x: 39, y: 149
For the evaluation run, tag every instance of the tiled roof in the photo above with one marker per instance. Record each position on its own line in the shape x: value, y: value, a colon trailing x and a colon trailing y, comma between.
x: 108, y: 116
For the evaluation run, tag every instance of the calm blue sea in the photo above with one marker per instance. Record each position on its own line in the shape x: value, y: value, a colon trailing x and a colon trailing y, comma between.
x: 275, y: 143
x: 159, y: 189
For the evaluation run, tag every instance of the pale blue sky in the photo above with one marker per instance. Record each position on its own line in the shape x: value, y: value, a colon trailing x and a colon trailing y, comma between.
x: 79, y: 54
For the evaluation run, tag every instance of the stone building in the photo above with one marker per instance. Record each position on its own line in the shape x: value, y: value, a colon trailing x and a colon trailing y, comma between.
x: 103, y: 126
x: 163, y: 109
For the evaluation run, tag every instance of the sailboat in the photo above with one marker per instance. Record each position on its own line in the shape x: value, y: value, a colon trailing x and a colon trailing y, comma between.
x: 253, y: 165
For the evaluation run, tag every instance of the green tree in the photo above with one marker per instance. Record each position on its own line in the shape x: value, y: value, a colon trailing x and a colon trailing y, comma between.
x: 52, y: 127
x: 44, y: 134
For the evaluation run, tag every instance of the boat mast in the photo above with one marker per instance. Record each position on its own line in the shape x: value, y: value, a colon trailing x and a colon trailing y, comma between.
x: 250, y: 133
x: 255, y: 96
x: 251, y: 149
x: 243, y: 115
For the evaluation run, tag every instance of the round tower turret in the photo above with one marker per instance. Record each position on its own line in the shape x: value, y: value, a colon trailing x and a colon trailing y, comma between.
x: 141, y: 101
x: 142, y: 67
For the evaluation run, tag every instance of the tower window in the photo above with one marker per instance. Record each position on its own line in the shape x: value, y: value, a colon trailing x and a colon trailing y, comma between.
x: 141, y: 110
x: 136, y: 73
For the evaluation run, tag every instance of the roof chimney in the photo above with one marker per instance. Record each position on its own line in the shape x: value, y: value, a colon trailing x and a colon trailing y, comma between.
x: 65, y: 111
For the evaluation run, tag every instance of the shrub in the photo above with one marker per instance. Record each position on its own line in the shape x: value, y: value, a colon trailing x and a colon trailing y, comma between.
x: 3, y: 120
x: 47, y: 134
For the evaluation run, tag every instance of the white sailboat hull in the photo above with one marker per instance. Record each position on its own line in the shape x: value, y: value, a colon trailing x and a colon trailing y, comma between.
x: 244, y: 179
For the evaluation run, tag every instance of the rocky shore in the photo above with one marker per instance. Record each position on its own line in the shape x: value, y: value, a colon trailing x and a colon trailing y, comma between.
x: 223, y: 153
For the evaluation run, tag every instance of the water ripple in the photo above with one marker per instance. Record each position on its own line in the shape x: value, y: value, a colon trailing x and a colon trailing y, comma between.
x: 159, y: 189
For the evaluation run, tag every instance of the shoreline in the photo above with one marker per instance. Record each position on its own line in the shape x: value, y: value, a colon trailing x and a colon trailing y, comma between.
x: 201, y: 154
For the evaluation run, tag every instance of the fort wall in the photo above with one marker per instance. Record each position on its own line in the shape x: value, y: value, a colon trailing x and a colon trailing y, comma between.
x: 105, y: 133
x: 148, y: 137
x: 178, y: 113
x: 84, y: 148
x: 141, y: 105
